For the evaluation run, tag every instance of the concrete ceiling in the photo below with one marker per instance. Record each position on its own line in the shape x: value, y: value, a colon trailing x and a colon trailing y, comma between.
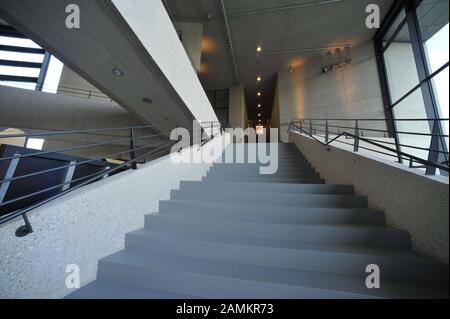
x: 289, y: 31
x: 103, y: 43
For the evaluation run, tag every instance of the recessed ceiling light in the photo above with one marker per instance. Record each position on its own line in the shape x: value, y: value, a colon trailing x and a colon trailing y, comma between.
x: 117, y: 72
x: 259, y: 79
x: 259, y: 105
x: 258, y: 49
x: 259, y: 94
x: 259, y: 114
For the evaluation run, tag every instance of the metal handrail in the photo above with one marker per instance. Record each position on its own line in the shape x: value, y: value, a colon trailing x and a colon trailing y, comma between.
x: 160, y: 148
x: 307, y: 127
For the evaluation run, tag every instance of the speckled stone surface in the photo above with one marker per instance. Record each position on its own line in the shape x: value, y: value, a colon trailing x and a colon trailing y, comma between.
x: 84, y: 226
x: 411, y: 201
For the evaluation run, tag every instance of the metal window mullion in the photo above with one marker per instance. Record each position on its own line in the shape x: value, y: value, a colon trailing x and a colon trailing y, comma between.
x: 425, y: 84
x: 43, y: 72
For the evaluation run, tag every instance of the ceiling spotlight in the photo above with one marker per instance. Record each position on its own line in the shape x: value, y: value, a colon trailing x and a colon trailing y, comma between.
x: 259, y: 105
x: 258, y: 94
x: 259, y: 114
x: 258, y: 49
x: 117, y: 72
x: 259, y: 79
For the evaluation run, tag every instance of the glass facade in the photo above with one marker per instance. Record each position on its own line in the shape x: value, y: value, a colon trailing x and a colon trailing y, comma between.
x: 412, y: 51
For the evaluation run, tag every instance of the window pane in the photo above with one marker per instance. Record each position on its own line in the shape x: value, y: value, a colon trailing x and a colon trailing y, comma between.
x: 18, y: 71
x: 25, y: 57
x: 400, y: 65
x: 440, y: 87
x: 413, y: 108
x: 390, y: 32
x: 433, y: 23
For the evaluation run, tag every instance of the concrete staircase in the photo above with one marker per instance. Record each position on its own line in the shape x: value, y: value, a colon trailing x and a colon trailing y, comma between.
x: 238, y: 234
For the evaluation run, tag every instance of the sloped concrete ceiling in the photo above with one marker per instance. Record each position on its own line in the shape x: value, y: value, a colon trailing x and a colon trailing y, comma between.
x: 104, y: 42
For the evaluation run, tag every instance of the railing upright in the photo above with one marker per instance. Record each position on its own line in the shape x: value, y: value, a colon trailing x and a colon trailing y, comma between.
x: 132, y: 150
x: 356, y: 144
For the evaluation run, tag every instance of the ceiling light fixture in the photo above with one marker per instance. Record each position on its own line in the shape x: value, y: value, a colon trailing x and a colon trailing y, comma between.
x: 259, y: 79
x: 259, y: 114
x: 258, y: 49
x: 258, y: 94
x: 259, y: 105
x: 117, y: 72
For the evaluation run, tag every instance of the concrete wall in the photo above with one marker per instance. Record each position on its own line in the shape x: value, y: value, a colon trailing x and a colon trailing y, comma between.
x: 411, y: 201
x: 73, y: 84
x: 86, y: 225
x: 46, y: 111
x: 151, y: 24
x: 351, y: 92
x: 237, y: 115
x: 191, y: 37
x: 275, y: 117
x: 32, y: 111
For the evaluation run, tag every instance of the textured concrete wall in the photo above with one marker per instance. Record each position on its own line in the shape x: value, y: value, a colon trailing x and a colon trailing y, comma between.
x: 275, y: 116
x: 237, y: 115
x: 84, y: 226
x: 351, y: 92
x: 71, y: 81
x: 25, y: 109
x: 410, y: 200
x: 191, y: 37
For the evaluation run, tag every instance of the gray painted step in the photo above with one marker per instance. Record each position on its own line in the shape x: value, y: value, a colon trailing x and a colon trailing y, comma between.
x: 346, y: 260
x: 162, y: 277
x: 108, y: 290
x: 264, y: 214
x: 261, y: 179
x: 136, y: 259
x: 272, y: 188
x: 312, y: 233
x: 273, y: 199
x: 255, y: 173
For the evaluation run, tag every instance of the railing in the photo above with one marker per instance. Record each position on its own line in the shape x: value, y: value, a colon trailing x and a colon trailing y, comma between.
x: 150, y: 143
x: 384, y: 137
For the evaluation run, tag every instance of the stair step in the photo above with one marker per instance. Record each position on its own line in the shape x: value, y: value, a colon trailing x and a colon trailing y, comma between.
x: 312, y: 233
x: 272, y: 188
x: 138, y: 266
x: 302, y: 174
x: 264, y: 214
x: 273, y: 199
x: 107, y: 290
x: 264, y: 179
x: 159, y: 273
x: 344, y: 260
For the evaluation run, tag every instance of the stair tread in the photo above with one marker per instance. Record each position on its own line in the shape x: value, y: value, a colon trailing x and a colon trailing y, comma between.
x: 278, y: 244
x: 107, y: 290
x: 310, y: 279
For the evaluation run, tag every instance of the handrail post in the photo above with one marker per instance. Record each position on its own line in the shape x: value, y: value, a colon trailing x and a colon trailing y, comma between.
x: 132, y: 150
x: 9, y: 174
x: 433, y: 156
x: 356, y: 145
x: 26, y: 229
x: 212, y: 130
x: 326, y: 132
x: 310, y: 128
